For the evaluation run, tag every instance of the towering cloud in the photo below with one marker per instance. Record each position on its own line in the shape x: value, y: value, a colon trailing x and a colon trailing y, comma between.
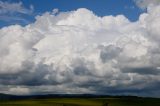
x: 79, y: 52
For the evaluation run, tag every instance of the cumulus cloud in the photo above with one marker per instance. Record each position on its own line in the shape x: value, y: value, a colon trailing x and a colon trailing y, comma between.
x: 79, y: 52
x: 145, y: 3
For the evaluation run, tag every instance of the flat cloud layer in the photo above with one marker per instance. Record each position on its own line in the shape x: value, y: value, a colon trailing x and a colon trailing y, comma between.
x: 79, y: 52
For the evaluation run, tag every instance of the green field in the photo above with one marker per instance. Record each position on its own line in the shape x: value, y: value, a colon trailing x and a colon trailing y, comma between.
x: 83, y: 102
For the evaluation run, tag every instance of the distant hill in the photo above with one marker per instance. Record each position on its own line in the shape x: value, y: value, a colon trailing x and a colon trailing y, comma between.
x: 4, y: 97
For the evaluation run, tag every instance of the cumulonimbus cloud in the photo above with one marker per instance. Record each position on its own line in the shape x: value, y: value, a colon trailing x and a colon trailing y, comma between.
x: 79, y: 52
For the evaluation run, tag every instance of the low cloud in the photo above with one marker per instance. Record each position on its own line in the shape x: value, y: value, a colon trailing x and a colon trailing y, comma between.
x: 11, y: 8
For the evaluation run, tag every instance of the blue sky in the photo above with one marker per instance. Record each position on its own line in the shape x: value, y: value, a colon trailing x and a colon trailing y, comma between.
x: 99, y: 7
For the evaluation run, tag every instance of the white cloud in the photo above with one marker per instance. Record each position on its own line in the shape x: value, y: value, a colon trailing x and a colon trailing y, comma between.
x: 55, y: 11
x: 9, y: 11
x: 19, y: 90
x: 146, y: 3
x: 79, y: 52
x: 7, y: 7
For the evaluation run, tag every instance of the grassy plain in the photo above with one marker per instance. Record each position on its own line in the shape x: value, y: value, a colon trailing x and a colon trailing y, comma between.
x: 83, y: 102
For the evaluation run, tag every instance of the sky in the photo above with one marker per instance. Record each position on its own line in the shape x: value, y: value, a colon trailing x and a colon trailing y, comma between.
x: 100, y: 8
x: 80, y: 47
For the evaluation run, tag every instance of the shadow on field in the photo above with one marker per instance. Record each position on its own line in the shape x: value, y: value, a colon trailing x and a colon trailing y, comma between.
x: 104, y: 104
x: 68, y: 105
x: 21, y: 103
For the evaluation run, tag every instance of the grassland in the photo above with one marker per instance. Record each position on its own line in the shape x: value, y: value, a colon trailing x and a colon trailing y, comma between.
x: 83, y: 102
